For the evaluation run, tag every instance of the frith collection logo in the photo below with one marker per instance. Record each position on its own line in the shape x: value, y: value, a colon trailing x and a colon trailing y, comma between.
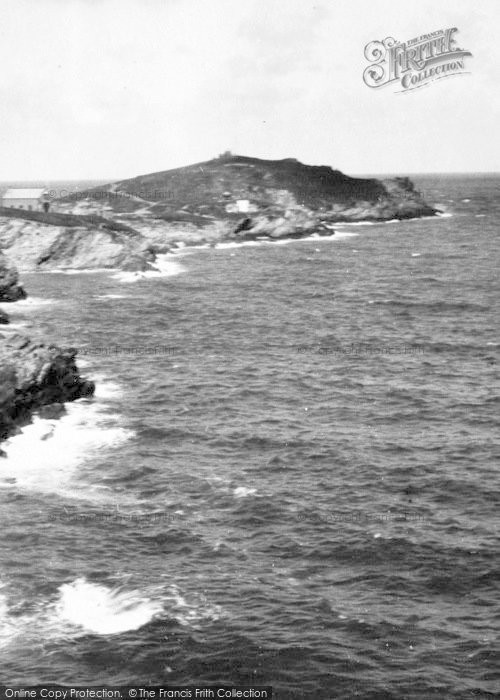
x: 414, y: 63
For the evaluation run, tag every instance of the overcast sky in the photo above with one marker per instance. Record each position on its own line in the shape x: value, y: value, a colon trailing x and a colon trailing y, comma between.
x: 116, y: 88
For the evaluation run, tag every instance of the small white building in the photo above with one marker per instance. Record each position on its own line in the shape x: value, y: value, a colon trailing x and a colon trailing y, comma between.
x: 31, y: 199
x: 240, y: 206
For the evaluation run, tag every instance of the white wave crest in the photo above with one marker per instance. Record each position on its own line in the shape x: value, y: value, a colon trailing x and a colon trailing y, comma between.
x: 239, y: 244
x: 164, y: 266
x: 111, y: 296
x: 359, y: 223
x: 313, y: 238
x: 14, y: 327
x: 27, y: 304
x: 83, y: 607
x: 103, y: 610
x: 5, y: 626
x: 339, y: 234
x: 105, y: 388
x: 243, y: 492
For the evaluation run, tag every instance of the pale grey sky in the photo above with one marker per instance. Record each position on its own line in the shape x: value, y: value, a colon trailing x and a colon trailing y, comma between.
x: 117, y: 88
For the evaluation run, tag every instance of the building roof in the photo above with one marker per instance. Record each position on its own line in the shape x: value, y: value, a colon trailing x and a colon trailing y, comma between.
x: 31, y: 193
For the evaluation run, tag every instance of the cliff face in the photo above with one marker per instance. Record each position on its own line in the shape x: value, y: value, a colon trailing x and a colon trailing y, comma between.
x: 33, y: 245
x: 32, y: 375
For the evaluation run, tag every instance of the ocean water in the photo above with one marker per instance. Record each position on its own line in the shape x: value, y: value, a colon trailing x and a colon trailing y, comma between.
x: 289, y: 473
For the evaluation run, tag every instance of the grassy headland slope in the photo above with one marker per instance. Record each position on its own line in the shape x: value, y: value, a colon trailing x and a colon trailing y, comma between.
x: 238, y: 196
x: 208, y: 187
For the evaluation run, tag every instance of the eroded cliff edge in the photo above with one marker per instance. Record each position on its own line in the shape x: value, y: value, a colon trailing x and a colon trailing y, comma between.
x: 37, y: 241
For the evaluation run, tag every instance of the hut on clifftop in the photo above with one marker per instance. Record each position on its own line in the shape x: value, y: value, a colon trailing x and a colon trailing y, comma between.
x: 31, y: 199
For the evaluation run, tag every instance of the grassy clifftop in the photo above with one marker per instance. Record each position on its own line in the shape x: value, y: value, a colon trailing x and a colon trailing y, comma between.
x: 210, y: 182
x: 238, y: 197
x: 67, y: 220
x: 212, y: 190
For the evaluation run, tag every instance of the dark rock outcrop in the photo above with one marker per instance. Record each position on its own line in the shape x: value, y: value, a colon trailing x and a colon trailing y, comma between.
x: 33, y: 375
x: 3, y: 318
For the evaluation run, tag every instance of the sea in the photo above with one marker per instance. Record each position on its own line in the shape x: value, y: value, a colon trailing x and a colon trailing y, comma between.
x: 288, y: 476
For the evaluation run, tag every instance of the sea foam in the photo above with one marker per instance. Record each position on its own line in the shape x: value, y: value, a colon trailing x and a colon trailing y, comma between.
x: 102, y: 610
x: 45, y: 455
x: 28, y: 304
x: 5, y: 627
x: 243, y: 492
x: 82, y: 607
x: 313, y: 238
x: 164, y: 266
x: 112, y: 296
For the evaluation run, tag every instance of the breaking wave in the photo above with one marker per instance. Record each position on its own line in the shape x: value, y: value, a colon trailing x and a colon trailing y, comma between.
x: 164, y: 266
x: 103, y: 610
x: 45, y: 455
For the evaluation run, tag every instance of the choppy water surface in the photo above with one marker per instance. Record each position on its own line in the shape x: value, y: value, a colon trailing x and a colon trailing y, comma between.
x: 289, y: 474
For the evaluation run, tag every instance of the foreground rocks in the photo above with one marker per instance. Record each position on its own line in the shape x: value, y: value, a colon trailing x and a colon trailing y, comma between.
x: 33, y: 375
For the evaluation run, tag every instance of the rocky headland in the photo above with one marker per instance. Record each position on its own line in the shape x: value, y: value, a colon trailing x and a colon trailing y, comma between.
x: 239, y: 198
x: 33, y: 376
x: 125, y: 224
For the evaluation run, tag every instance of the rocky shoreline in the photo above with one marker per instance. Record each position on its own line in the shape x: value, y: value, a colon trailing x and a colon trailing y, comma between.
x: 33, y: 376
